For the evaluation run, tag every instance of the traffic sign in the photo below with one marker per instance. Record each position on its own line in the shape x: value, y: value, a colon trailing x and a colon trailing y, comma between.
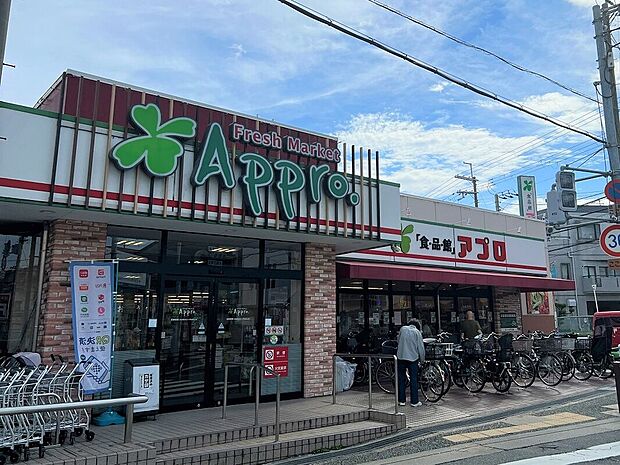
x: 612, y: 190
x: 610, y: 240
x: 613, y: 264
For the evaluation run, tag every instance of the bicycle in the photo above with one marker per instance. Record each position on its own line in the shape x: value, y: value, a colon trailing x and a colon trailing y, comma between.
x: 549, y: 367
x: 522, y: 366
x: 430, y: 378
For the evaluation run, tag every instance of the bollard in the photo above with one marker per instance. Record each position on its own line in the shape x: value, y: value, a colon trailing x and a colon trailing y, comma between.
x: 128, y: 423
x: 617, y: 377
x: 334, y: 380
x: 258, y: 373
x: 224, y: 404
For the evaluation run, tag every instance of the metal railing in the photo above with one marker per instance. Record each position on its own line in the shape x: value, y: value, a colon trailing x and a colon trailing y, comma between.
x: 369, y: 357
x: 129, y: 402
x: 258, y: 371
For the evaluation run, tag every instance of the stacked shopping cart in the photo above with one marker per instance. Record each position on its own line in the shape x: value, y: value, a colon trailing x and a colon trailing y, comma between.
x: 24, y: 384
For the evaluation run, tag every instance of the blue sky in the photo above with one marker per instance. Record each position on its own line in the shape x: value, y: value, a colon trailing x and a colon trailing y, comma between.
x: 259, y: 57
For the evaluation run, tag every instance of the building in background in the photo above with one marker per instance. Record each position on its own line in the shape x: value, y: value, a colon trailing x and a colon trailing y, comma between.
x: 576, y: 254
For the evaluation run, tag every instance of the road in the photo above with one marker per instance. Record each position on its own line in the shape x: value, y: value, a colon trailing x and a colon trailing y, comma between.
x: 586, y: 430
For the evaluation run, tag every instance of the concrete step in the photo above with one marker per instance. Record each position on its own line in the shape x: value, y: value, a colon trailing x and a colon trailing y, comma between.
x: 260, y: 450
x: 199, y: 439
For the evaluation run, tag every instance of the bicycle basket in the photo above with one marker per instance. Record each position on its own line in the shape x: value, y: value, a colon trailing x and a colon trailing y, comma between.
x: 549, y: 345
x: 449, y: 348
x: 523, y: 345
x: 435, y: 351
x: 583, y: 343
x: 505, y: 342
x: 472, y: 347
x: 389, y: 347
x: 568, y: 343
x: 505, y: 355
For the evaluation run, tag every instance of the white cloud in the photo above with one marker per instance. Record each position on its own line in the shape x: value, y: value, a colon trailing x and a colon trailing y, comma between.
x: 421, y: 157
x: 583, y: 3
x: 439, y: 87
x: 238, y: 50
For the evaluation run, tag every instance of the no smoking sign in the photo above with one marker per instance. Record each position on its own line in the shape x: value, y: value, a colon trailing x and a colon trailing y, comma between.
x: 610, y: 240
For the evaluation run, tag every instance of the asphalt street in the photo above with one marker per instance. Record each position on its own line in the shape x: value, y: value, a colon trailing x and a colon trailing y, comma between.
x: 586, y: 423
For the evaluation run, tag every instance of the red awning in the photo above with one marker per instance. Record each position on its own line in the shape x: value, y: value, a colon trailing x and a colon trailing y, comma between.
x: 421, y: 274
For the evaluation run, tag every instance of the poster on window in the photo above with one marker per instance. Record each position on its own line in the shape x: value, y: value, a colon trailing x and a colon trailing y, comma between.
x: 92, y: 297
x: 538, y: 303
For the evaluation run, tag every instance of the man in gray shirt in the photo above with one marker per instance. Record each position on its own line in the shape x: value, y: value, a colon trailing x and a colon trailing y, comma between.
x: 410, y: 353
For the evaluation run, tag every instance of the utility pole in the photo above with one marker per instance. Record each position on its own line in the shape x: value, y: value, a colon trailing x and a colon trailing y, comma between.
x: 5, y: 7
x: 604, y: 48
x: 473, y: 181
x: 497, y: 207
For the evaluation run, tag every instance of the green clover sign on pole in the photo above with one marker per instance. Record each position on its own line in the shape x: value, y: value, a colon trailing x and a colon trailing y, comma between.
x: 159, y: 149
x: 527, y: 185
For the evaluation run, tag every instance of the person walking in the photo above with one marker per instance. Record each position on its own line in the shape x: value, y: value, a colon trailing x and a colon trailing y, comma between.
x: 470, y: 328
x: 410, y: 352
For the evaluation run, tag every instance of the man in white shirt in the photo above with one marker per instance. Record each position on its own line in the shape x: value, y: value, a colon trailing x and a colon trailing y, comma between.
x: 410, y: 353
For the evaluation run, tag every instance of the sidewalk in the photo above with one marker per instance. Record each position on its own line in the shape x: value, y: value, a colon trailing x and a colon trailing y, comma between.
x: 459, y: 404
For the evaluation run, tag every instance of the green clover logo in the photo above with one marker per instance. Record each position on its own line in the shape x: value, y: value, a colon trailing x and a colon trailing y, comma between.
x: 527, y: 185
x: 160, y: 148
x: 405, y: 240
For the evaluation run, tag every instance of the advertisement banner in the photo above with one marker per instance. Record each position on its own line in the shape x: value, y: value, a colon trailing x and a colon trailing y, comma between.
x: 92, y: 286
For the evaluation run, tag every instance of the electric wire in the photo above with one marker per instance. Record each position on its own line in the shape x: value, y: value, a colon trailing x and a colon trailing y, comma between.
x: 348, y: 30
x: 480, y: 49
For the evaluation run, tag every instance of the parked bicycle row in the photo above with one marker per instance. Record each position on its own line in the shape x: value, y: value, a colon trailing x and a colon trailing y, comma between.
x: 25, y: 381
x: 493, y: 359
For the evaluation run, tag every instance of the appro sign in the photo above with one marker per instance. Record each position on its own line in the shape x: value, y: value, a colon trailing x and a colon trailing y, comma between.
x: 160, y: 147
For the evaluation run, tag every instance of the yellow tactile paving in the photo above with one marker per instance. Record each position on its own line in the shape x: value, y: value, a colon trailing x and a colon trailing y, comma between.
x: 549, y: 421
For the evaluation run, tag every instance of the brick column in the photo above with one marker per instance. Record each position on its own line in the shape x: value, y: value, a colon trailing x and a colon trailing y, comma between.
x: 67, y: 240
x: 507, y: 300
x: 319, y: 319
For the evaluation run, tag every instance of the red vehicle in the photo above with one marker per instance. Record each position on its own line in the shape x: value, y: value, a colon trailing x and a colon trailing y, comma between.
x: 607, y: 324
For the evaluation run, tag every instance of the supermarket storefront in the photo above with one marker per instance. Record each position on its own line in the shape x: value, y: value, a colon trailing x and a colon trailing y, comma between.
x: 225, y: 229
x: 450, y: 260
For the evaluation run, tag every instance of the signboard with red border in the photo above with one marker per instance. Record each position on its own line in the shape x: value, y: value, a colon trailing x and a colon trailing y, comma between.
x: 612, y: 190
x: 276, y: 359
x: 610, y: 240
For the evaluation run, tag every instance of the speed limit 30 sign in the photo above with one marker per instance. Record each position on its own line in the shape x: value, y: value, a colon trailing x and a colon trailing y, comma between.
x: 610, y: 240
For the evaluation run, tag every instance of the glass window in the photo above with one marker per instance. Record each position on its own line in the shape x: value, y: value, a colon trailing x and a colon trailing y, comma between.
x: 603, y: 271
x: 401, y: 286
x: 378, y: 285
x: 587, y: 232
x: 136, y: 311
x: 351, y: 323
x: 449, y: 317
x: 351, y: 284
x: 401, y: 303
x: 426, y: 313
x: 216, y: 251
x: 282, y: 255
x: 565, y: 271
x: 282, y: 312
x: 19, y: 271
x: 589, y: 271
x: 378, y: 320
x: 484, y: 314
x: 133, y: 245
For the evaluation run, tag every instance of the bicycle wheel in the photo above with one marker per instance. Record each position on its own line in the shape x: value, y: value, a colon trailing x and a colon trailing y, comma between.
x: 457, y: 372
x: 568, y: 365
x: 584, y: 366
x: 604, y: 369
x: 522, y: 370
x: 550, y: 369
x: 431, y: 382
x: 474, y: 376
x: 361, y: 372
x: 502, y: 381
x: 385, y: 376
x: 444, y: 366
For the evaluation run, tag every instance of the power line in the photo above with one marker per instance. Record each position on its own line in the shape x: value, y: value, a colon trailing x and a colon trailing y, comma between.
x: 345, y: 29
x: 476, y: 47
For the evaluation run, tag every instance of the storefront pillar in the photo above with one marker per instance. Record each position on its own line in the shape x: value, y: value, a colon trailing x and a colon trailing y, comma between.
x: 507, y: 307
x: 68, y: 240
x: 319, y: 319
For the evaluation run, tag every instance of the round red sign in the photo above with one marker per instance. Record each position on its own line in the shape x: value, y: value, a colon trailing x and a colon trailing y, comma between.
x: 610, y: 240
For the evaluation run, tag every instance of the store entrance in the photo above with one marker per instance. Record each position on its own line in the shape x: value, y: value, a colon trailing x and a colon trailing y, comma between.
x: 207, y: 323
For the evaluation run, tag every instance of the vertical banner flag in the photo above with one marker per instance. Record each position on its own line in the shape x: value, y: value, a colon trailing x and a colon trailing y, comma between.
x: 92, y: 296
x: 527, y: 196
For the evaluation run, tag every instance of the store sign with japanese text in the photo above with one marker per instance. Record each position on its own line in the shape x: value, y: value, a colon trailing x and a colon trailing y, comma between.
x: 92, y: 300
x: 527, y: 196
x: 459, y: 247
x: 160, y: 147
